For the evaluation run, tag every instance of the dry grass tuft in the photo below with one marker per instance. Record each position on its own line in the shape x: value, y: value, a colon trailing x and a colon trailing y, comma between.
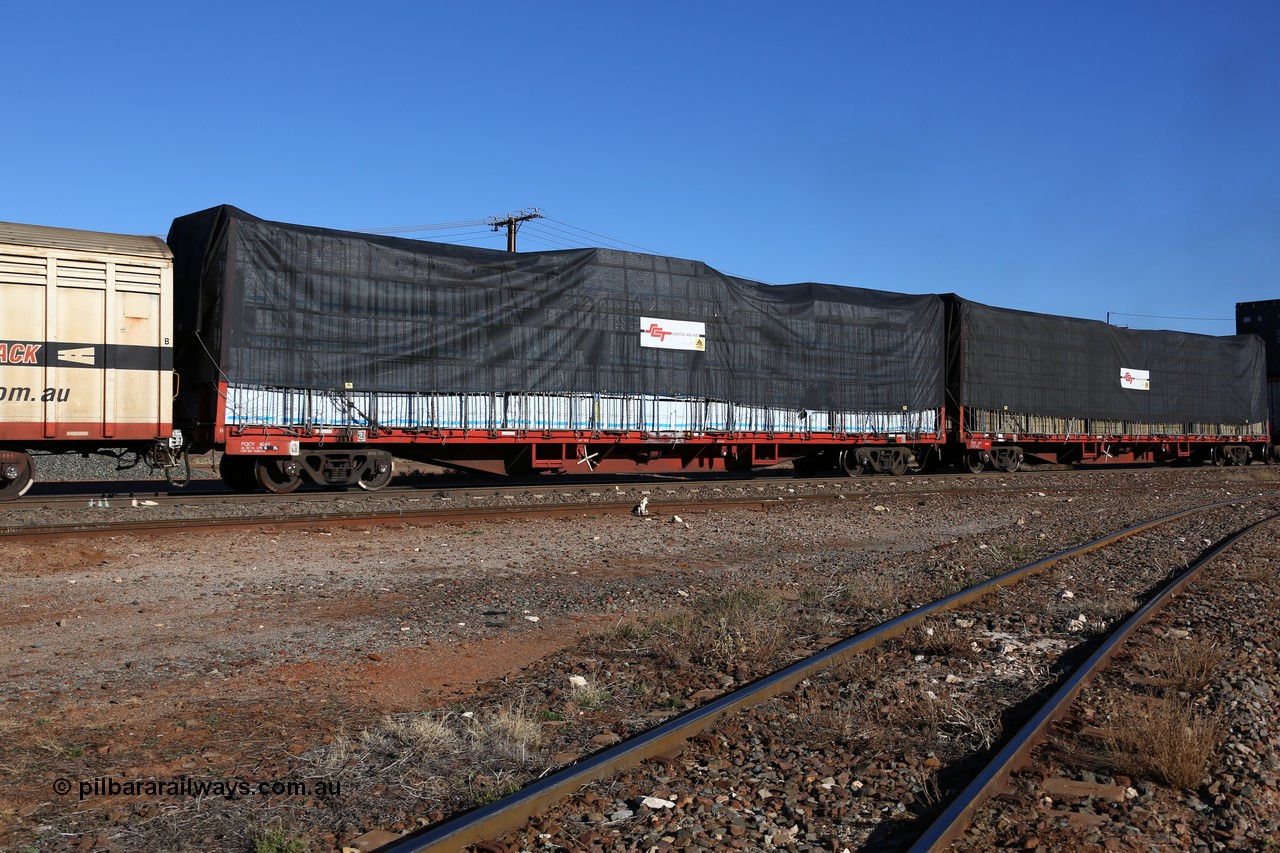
x: 881, y: 711
x: 938, y: 638
x: 628, y: 631
x: 510, y: 733
x: 591, y: 695
x: 422, y: 752
x: 421, y: 733
x: 1114, y: 606
x: 1190, y: 664
x: 892, y: 708
x: 868, y: 592
x: 969, y: 729
x: 742, y: 626
x: 855, y: 669
x: 1165, y: 738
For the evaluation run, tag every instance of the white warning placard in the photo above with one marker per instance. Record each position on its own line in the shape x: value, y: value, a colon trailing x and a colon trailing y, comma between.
x: 673, y: 334
x: 1138, y: 380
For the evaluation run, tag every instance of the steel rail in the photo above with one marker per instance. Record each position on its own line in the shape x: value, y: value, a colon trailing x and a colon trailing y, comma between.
x: 515, y: 810
x: 414, y: 516
x: 212, y: 490
x: 666, y: 498
x: 951, y: 824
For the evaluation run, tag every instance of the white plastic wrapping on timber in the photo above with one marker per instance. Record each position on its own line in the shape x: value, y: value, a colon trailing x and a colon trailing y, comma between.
x: 312, y: 409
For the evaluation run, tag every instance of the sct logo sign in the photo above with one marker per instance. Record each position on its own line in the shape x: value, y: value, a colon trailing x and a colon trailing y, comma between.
x: 658, y: 333
x: 15, y: 353
x: 1136, y: 380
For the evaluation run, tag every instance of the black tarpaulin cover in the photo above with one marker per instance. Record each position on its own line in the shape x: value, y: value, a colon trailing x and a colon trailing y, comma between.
x: 291, y: 306
x: 1069, y: 367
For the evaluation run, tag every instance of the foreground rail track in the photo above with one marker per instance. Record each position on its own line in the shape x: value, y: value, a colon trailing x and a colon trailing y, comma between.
x: 1016, y: 754
x: 486, y: 825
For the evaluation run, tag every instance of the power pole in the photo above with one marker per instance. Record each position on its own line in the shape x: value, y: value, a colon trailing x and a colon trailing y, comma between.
x: 512, y: 223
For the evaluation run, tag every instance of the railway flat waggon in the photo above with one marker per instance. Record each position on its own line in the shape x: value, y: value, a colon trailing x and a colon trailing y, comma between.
x: 86, y: 350
x: 308, y: 353
x: 1063, y: 389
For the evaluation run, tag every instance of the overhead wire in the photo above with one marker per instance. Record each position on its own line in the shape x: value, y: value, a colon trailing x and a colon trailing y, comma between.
x: 567, y: 235
x: 549, y: 237
x: 1162, y: 317
x: 446, y: 237
x: 575, y: 239
x: 603, y: 237
x: 478, y: 240
x: 405, y: 229
x: 533, y: 238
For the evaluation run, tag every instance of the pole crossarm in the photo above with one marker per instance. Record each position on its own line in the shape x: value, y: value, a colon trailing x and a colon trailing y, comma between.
x: 512, y: 222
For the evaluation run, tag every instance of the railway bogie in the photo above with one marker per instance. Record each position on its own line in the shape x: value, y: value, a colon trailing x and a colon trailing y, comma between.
x: 882, y: 460
x: 1006, y: 458
x: 364, y: 468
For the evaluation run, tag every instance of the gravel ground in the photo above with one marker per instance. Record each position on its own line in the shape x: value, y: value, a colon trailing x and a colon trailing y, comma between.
x: 306, y: 654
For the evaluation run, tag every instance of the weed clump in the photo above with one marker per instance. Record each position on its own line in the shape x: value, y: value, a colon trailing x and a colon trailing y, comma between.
x: 745, y: 626
x: 1166, y: 738
x: 422, y: 752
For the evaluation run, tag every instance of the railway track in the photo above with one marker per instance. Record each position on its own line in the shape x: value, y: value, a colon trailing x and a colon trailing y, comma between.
x: 354, y: 519
x: 510, y: 818
x: 210, y: 489
x: 1016, y: 754
x: 108, y: 509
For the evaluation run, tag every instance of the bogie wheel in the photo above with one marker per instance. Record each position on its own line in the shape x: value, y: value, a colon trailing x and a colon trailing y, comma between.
x: 850, y: 465
x: 1219, y: 458
x: 376, y: 474
x: 238, y: 473
x: 1012, y: 463
x: 974, y: 463
x: 17, y: 473
x: 274, y: 475
x: 899, y: 465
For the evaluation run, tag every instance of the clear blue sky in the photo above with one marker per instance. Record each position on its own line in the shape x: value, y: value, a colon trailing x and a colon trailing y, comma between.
x: 1072, y: 158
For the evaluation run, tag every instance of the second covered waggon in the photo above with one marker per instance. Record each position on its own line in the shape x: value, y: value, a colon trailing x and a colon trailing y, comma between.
x: 1063, y: 389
